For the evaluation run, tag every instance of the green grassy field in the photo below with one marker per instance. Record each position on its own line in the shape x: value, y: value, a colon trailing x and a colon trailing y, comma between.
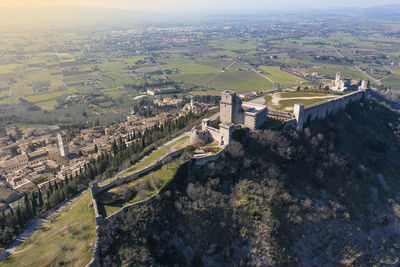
x: 302, y: 94
x: 65, y: 240
x: 241, y: 81
x: 153, y: 157
x: 214, y: 63
x: 133, y: 60
x: 291, y: 98
x: 8, y: 68
x: 192, y: 78
x: 238, y: 65
x: 191, y: 68
x: 287, y: 105
x: 235, y: 44
x: 146, y: 187
x: 283, y: 78
x: 148, y: 68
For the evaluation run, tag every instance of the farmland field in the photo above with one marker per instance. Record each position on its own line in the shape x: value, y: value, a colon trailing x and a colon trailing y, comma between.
x: 192, y: 78
x: 120, y: 64
x: 242, y: 81
x: 283, y: 78
x: 191, y: 68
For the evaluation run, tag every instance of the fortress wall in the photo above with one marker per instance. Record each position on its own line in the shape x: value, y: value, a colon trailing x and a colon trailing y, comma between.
x: 289, y: 123
x: 322, y: 109
x: 199, y: 137
x: 99, y: 221
x: 204, y: 160
x: 167, y: 158
x: 215, y: 133
x: 95, y: 189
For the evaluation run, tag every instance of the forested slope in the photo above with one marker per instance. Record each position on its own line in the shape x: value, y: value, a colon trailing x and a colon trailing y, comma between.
x: 327, y: 196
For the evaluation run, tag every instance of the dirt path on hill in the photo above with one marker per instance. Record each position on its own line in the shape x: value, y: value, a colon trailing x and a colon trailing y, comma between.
x: 34, y: 225
x: 78, y: 198
x: 262, y: 75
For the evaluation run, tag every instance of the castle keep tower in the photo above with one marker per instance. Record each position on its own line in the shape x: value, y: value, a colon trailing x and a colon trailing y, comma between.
x: 63, y: 144
x: 231, y: 108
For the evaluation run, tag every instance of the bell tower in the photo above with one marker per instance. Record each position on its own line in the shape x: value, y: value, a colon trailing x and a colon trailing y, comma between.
x: 63, y: 144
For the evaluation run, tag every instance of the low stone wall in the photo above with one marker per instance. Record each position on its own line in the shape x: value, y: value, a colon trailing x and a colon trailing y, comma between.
x: 204, y: 160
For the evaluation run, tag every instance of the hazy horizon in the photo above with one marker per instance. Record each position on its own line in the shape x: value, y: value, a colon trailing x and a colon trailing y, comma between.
x: 197, y: 7
x: 30, y: 13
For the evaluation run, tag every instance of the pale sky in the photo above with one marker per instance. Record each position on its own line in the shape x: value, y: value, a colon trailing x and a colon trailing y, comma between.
x: 202, y: 5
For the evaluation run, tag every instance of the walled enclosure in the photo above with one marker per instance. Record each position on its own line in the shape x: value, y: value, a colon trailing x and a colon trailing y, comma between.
x: 322, y: 109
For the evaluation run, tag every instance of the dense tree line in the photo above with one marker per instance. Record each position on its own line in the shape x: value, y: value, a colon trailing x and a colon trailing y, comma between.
x: 38, y: 201
x: 208, y: 99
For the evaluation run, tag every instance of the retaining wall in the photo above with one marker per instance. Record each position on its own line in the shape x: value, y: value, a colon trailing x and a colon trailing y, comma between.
x: 204, y: 160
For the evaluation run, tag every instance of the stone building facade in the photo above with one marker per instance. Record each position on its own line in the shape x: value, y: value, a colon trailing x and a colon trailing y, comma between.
x: 232, y: 112
x: 345, y: 84
x: 63, y: 144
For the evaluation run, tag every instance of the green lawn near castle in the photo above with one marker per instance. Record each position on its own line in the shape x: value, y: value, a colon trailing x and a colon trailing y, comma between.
x: 152, y: 157
x: 284, y: 101
x: 142, y: 189
x: 67, y: 239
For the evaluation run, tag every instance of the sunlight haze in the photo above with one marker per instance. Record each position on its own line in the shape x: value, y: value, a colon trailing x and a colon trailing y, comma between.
x: 197, y: 6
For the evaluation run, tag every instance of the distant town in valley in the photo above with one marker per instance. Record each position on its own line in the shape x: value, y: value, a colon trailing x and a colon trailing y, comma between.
x: 108, y: 130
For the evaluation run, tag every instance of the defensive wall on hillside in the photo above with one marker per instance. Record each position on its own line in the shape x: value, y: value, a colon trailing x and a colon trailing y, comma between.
x: 96, y: 189
x: 323, y: 109
x: 204, y: 160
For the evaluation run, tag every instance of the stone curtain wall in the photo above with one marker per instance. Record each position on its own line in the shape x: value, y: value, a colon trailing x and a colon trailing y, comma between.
x: 322, y: 109
x: 95, y: 189
x: 119, y: 181
x: 204, y: 160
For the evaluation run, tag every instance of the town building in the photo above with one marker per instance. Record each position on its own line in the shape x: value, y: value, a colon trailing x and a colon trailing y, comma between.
x: 162, y: 91
x: 345, y: 84
x: 63, y: 144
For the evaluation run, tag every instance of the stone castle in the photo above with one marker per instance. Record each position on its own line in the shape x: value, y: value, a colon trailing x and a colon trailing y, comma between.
x: 232, y: 112
x: 235, y: 113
